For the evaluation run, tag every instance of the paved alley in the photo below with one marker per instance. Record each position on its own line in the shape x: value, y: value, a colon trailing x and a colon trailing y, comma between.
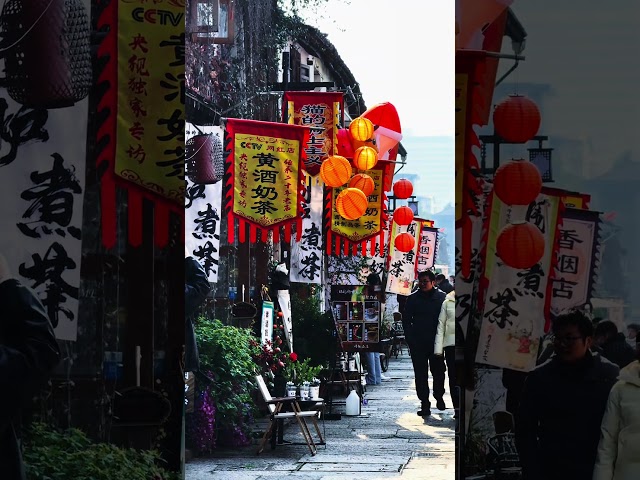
x: 388, y: 440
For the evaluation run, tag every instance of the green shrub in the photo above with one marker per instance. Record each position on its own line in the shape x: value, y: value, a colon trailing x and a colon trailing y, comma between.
x: 313, y: 331
x: 50, y: 454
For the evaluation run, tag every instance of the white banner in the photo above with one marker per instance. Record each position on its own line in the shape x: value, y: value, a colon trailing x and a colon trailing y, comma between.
x: 467, y: 288
x: 514, y: 304
x: 307, y: 255
x: 284, y: 302
x: 203, y: 207
x: 427, y: 249
x: 574, y: 270
x: 402, y: 265
x: 266, y: 327
x: 42, y: 179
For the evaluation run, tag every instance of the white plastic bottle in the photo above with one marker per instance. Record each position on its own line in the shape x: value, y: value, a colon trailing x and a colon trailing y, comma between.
x: 353, y: 404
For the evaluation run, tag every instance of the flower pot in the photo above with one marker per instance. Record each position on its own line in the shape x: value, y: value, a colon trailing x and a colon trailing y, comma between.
x: 291, y: 390
x: 314, y: 392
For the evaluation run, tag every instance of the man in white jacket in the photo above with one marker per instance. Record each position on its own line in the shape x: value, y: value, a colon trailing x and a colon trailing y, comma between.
x: 446, y: 341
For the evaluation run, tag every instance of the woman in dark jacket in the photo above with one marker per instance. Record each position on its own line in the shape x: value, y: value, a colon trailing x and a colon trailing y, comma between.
x: 28, y: 354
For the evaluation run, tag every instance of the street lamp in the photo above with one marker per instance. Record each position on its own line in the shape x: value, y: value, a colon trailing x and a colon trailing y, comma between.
x: 413, y: 205
x: 541, y: 158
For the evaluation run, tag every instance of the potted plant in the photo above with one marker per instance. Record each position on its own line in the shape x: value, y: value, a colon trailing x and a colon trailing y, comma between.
x: 314, y: 389
x: 291, y: 389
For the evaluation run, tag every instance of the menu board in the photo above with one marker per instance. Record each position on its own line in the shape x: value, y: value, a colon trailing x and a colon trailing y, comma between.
x: 356, y: 313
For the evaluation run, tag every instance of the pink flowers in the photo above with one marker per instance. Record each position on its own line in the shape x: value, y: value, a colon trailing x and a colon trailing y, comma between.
x: 293, y: 356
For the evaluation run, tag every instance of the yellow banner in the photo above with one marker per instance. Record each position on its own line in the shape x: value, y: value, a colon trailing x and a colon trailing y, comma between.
x: 150, y: 127
x: 265, y: 178
x: 574, y: 202
x: 461, y: 120
x: 367, y: 225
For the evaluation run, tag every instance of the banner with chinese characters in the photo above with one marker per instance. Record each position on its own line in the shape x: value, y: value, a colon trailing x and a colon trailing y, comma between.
x: 402, y: 265
x: 576, y: 260
x: 307, y: 259
x: 202, y: 214
x: 42, y: 179
x: 516, y: 302
x: 352, y: 237
x: 461, y: 125
x: 150, y: 128
x: 322, y: 112
x: 265, y: 178
x: 427, y: 246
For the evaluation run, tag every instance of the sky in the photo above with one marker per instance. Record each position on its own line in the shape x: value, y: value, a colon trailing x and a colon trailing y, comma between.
x: 402, y: 52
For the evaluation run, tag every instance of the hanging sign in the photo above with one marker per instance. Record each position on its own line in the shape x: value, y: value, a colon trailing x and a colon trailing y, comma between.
x: 353, y: 236
x: 402, y: 265
x: 322, y: 112
x: 516, y: 301
x: 427, y: 246
x: 150, y: 136
x: 461, y: 125
x: 265, y: 178
x: 356, y: 314
x: 307, y: 259
x: 266, y: 328
x: 576, y: 260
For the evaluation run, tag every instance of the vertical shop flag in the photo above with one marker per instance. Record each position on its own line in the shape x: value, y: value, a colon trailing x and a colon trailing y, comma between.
x: 427, y: 247
x: 402, y: 265
x: 307, y: 259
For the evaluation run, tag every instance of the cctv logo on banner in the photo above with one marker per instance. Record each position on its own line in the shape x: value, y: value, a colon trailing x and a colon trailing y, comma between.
x: 202, y: 208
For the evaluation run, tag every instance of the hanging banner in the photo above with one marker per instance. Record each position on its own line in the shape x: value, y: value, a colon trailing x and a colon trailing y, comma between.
x: 266, y: 328
x: 284, y: 302
x: 516, y: 302
x: 427, y: 246
x: 202, y: 216
x: 576, y: 264
x: 150, y: 127
x: 265, y: 178
x: 307, y: 259
x: 345, y: 236
x: 461, y: 125
x: 42, y: 177
x: 402, y: 268
x: 322, y: 112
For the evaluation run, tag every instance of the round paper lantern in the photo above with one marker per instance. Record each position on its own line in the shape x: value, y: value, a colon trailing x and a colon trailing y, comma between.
x: 403, y: 188
x: 363, y: 182
x: 335, y: 171
x: 516, y: 119
x: 404, y: 242
x: 517, y: 182
x: 351, y: 203
x: 520, y: 245
x: 361, y: 129
x: 204, y: 159
x: 403, y: 216
x: 365, y: 158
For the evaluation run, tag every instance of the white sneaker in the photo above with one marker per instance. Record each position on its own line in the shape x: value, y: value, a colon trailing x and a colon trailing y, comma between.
x: 384, y: 377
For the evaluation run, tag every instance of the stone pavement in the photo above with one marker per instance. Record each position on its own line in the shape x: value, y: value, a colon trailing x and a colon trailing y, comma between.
x: 388, y: 440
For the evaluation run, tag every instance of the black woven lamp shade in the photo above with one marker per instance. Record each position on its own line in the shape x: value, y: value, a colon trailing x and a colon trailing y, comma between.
x: 48, y: 61
x: 205, y: 159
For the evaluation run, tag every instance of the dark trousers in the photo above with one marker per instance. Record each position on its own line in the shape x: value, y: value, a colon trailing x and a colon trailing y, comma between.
x: 450, y: 359
x: 423, y: 360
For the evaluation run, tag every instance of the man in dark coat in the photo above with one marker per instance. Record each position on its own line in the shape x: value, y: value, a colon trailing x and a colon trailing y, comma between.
x: 443, y: 284
x: 196, y: 289
x: 613, y: 345
x: 28, y: 354
x: 562, y: 405
x: 420, y: 322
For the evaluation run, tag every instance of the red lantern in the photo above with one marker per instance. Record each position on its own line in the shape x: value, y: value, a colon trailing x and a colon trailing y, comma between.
x: 516, y: 119
x: 404, y: 242
x: 517, y: 182
x: 520, y: 245
x: 345, y: 147
x: 363, y: 182
x: 403, y: 216
x: 403, y: 188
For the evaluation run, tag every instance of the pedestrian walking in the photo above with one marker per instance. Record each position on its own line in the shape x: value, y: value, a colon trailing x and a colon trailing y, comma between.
x: 446, y: 341
x: 420, y: 322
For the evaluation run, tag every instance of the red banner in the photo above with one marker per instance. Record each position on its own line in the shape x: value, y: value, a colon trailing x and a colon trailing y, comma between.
x: 264, y: 178
x: 322, y: 112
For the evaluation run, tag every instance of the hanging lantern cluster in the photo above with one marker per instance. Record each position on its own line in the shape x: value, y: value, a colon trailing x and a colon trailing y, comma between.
x: 48, y: 61
x: 516, y: 119
x: 520, y: 244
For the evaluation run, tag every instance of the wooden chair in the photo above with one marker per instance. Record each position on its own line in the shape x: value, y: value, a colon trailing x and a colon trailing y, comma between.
x: 293, y: 411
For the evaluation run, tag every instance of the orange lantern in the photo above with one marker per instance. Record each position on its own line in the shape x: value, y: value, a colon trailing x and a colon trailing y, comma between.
x: 517, y: 182
x: 520, y: 245
x: 404, y: 242
x: 335, y: 171
x: 351, y: 203
x: 361, y: 129
x: 365, y: 158
x: 516, y: 119
x: 403, y: 188
x: 403, y: 216
x: 364, y: 182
